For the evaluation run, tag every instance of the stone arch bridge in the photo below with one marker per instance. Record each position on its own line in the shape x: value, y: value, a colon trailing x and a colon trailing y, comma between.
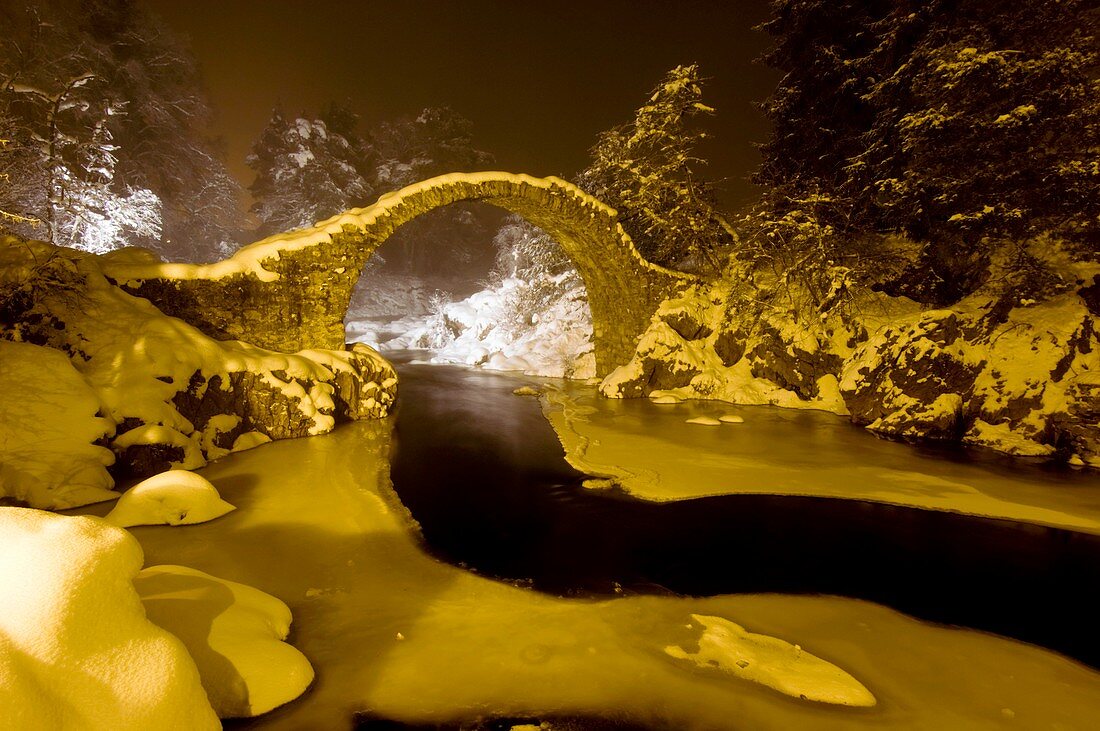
x: 291, y: 291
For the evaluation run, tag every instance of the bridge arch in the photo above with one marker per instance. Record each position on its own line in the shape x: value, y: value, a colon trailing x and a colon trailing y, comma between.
x: 291, y: 291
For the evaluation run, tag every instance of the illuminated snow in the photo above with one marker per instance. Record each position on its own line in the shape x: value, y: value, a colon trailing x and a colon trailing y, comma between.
x: 486, y: 330
x: 769, y: 661
x: 234, y: 633
x: 138, y: 359
x: 76, y: 649
x: 647, y: 451
x: 175, y: 497
x: 49, y: 426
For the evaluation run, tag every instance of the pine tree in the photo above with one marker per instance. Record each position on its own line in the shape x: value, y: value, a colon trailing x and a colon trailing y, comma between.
x: 648, y: 169
x: 437, y: 141
x: 104, y: 115
x: 304, y: 173
x: 959, y: 123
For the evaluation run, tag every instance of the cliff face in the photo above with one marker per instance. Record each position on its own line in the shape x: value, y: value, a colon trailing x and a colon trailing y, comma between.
x: 1016, y: 375
x: 168, y: 395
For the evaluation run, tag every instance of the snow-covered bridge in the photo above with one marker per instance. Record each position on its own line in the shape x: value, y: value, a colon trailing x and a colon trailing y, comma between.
x: 291, y: 291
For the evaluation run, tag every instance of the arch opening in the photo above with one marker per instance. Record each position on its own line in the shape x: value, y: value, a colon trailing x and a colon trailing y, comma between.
x: 516, y: 303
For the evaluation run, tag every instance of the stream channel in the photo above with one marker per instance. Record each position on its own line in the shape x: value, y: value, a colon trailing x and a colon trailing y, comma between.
x: 483, y: 473
x: 447, y: 569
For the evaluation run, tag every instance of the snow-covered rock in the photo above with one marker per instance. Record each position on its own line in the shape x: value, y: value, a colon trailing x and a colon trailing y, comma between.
x: 234, y: 633
x: 770, y: 661
x: 1020, y: 377
x: 174, y: 396
x: 712, y: 342
x: 50, y: 429
x: 175, y: 497
x: 76, y: 648
x: 1019, y: 380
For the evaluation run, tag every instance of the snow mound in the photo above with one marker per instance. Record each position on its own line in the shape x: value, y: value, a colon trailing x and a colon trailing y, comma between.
x: 773, y: 662
x: 48, y: 423
x: 175, y: 497
x: 234, y: 632
x: 76, y: 650
x: 731, y: 419
x: 703, y: 421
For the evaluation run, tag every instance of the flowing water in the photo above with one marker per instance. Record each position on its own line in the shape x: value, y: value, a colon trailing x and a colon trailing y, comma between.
x: 486, y: 582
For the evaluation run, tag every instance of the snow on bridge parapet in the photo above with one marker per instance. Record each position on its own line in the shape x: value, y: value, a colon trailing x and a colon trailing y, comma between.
x: 291, y: 291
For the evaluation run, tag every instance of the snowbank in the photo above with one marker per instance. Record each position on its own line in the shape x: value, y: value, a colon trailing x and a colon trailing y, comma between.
x: 234, y: 633
x: 175, y: 497
x: 49, y: 431
x: 76, y: 649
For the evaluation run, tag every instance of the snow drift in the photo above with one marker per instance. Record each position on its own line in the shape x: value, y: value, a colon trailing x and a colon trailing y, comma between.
x: 76, y: 649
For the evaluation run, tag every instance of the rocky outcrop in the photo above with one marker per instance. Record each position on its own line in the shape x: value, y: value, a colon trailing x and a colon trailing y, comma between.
x: 1021, y: 380
x: 170, y: 395
x: 910, y: 379
x: 1018, y: 376
x: 713, y: 341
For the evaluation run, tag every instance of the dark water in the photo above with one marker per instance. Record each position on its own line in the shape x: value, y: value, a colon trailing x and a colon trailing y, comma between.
x: 483, y: 473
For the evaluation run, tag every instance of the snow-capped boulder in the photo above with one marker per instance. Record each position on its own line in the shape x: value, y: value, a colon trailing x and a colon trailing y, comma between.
x: 76, y: 648
x: 175, y: 497
x: 910, y: 378
x: 50, y: 429
x: 234, y: 633
x: 713, y: 342
x: 728, y: 647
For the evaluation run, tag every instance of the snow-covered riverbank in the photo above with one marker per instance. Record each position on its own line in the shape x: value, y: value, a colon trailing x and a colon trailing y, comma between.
x: 397, y: 632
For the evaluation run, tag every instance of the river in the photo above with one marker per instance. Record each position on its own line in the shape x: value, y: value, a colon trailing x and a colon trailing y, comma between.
x: 484, y: 580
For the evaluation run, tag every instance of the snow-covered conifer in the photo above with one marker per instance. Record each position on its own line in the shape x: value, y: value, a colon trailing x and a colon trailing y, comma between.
x: 104, y: 114
x: 649, y: 170
x: 956, y: 123
x: 304, y: 173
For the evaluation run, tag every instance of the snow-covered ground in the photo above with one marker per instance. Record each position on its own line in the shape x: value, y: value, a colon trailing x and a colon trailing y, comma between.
x: 76, y: 648
x: 495, y: 329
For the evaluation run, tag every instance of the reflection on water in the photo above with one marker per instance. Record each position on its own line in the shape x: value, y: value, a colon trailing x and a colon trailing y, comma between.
x: 397, y: 636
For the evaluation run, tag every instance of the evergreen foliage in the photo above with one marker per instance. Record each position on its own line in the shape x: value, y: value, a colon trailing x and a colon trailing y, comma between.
x: 959, y: 123
x: 304, y: 173
x: 105, y: 120
x: 308, y: 169
x: 649, y: 170
x: 436, y: 141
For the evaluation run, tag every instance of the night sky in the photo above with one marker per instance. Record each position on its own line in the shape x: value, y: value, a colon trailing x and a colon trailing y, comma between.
x: 539, y: 79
